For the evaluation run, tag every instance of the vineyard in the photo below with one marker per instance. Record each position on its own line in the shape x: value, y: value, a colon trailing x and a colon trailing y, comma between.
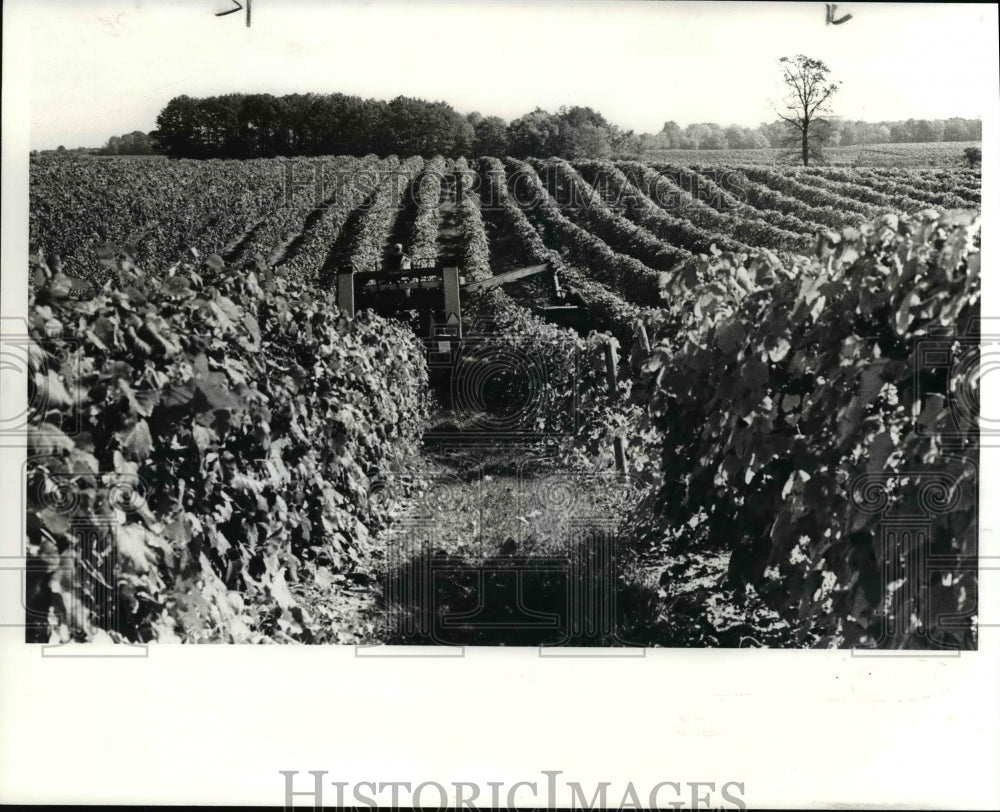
x: 217, y: 452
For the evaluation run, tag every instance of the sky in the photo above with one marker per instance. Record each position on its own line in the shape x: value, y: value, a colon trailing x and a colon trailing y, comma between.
x: 104, y: 68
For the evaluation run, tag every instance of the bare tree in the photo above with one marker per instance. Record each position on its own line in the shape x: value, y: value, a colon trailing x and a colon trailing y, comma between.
x: 809, y: 90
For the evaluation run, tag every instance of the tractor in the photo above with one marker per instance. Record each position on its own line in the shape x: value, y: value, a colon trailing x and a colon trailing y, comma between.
x: 435, y: 294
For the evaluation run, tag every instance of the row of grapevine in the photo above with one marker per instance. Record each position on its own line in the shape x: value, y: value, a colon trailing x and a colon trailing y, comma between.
x: 607, y: 311
x: 641, y: 210
x: 511, y: 330
x: 306, y: 258
x: 732, y: 180
x: 625, y: 275
x: 787, y: 184
x: 274, y: 238
x: 934, y: 194
x: 964, y: 182
x: 615, y: 191
x: 900, y: 188
x: 157, y: 208
x: 423, y: 232
x: 585, y: 206
x: 368, y: 237
x: 202, y: 439
x: 762, y: 198
x: 475, y: 260
x: 953, y: 197
x: 797, y: 439
x: 709, y: 186
x: 866, y: 194
x: 573, y: 405
x: 733, y: 217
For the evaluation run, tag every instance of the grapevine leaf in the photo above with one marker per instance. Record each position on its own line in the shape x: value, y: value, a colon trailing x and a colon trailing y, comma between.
x: 219, y: 397
x: 136, y: 556
x: 878, y: 452
x: 203, y: 436
x: 136, y: 441
x: 933, y: 406
x: 729, y: 337
x: 52, y: 392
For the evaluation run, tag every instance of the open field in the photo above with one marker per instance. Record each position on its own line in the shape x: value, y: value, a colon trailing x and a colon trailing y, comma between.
x: 945, y: 154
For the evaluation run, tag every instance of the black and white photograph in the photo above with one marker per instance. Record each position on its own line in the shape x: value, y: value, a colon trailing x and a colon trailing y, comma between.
x: 584, y: 331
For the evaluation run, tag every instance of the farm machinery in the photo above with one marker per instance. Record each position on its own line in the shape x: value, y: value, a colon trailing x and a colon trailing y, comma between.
x: 435, y: 295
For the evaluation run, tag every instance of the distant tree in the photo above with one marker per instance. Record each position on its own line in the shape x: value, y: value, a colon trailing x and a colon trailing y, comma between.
x: 259, y: 127
x: 834, y: 135
x: 672, y: 133
x: 301, y: 123
x: 903, y: 132
x: 929, y: 131
x: 573, y: 132
x: 957, y: 129
x: 425, y: 128
x: 337, y: 124
x: 490, y: 136
x: 133, y: 143
x: 775, y: 132
x: 651, y: 141
x: 534, y: 133
x: 254, y: 125
x: 696, y: 135
x: 461, y: 135
x: 736, y: 136
x: 582, y: 133
x: 222, y: 119
x: 809, y: 90
x: 848, y: 133
x: 704, y: 136
x: 625, y: 142
x: 585, y: 141
x: 179, y: 130
x: 875, y: 134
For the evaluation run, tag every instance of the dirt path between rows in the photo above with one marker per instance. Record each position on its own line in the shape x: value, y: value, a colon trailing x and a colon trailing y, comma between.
x: 496, y: 547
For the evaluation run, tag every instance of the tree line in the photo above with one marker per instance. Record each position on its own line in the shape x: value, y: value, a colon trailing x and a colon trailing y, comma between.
x: 832, y: 132
x: 133, y: 143
x: 262, y: 125
x: 241, y: 125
